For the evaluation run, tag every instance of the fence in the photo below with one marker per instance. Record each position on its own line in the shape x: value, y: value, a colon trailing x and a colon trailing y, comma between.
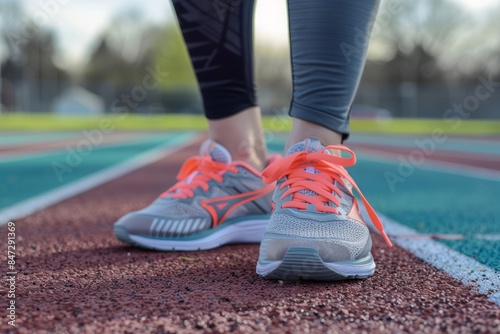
x: 479, y: 100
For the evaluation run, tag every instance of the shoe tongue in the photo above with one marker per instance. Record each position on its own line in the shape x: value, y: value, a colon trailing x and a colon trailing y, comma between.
x: 309, y: 145
x: 215, y: 150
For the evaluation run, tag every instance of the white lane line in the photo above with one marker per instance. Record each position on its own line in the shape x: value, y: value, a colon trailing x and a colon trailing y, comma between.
x: 488, y: 237
x: 59, y: 194
x: 459, y: 266
x: 444, y: 236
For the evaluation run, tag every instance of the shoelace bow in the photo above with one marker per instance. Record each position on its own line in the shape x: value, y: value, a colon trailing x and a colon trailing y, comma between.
x: 205, y: 169
x: 330, y: 168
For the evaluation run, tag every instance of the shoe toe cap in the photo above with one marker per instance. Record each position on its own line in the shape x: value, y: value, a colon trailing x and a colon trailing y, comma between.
x: 135, y: 223
x: 328, y: 251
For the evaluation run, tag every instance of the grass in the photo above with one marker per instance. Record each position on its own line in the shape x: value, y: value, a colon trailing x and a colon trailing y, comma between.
x: 177, y: 122
x: 51, y: 122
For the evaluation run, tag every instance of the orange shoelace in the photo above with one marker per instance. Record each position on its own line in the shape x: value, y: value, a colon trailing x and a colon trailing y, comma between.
x: 197, y: 172
x: 329, y: 169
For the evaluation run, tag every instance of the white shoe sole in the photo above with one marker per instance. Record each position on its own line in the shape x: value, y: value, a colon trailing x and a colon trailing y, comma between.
x: 249, y: 231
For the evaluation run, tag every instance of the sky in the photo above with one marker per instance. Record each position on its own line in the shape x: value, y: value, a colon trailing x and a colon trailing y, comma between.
x: 71, y: 20
x: 78, y: 23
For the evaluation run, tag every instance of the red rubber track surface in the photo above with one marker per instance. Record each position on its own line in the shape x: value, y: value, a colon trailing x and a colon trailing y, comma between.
x: 75, y: 277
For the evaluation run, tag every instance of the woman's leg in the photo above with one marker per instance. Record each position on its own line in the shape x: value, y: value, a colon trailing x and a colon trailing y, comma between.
x: 220, y: 44
x: 328, y: 42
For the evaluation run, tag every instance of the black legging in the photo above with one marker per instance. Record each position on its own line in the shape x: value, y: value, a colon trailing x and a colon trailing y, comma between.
x: 328, y: 40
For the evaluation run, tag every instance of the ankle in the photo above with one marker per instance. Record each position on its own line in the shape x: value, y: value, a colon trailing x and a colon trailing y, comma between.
x: 253, y: 153
x: 243, y: 136
x: 302, y: 130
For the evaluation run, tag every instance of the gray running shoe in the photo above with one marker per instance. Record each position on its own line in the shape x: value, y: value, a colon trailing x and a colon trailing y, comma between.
x: 316, y: 231
x: 216, y: 201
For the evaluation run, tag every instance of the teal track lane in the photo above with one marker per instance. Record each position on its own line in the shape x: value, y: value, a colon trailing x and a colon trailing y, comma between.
x: 433, y: 202
x: 28, y: 175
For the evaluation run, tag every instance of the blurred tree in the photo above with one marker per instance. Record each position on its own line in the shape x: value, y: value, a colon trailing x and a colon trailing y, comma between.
x: 131, y: 49
x: 8, y: 11
x: 171, y: 56
x: 420, y: 37
x: 30, y: 78
x: 44, y: 78
x: 434, y: 41
x: 419, y: 66
x: 11, y: 15
x: 107, y: 66
x: 123, y: 51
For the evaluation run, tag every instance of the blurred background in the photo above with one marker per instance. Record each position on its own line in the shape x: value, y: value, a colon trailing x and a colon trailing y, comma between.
x: 77, y: 57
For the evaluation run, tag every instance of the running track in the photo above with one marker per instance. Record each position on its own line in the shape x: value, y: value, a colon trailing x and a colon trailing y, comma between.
x: 73, y: 276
